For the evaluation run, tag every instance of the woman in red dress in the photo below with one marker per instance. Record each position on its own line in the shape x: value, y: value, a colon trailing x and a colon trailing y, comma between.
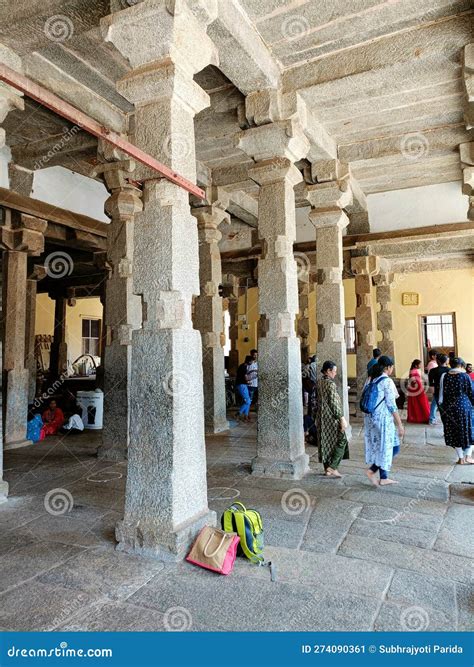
x: 53, y: 419
x: 418, y: 405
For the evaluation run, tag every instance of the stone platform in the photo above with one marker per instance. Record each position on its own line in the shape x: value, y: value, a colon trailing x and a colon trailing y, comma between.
x: 349, y: 556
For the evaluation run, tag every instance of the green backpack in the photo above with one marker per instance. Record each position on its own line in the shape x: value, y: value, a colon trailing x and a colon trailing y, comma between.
x: 248, y: 525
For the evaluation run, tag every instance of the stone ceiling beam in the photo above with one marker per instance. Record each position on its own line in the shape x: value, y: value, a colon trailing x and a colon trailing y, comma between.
x: 55, y: 77
x: 244, y: 57
x: 447, y: 35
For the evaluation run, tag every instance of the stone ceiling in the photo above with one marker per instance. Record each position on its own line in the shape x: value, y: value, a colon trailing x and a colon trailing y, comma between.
x: 382, y: 78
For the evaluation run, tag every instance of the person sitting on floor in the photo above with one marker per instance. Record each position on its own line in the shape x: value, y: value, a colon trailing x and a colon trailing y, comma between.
x: 74, y: 424
x: 34, y: 427
x: 53, y: 418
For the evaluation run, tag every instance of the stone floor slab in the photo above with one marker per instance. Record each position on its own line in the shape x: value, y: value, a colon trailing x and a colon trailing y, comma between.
x: 104, y: 572
x: 412, y: 618
x: 37, y: 606
x: 456, y: 535
x: 428, y: 592
x: 329, y: 524
x: 31, y: 560
x: 424, y: 561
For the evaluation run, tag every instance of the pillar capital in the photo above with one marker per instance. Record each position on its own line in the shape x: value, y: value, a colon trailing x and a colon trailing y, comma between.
x: 328, y: 219
x: 384, y: 279
x: 23, y: 233
x: 156, y: 30
x: 329, y: 196
x: 284, y: 139
x: 367, y: 265
x: 274, y: 170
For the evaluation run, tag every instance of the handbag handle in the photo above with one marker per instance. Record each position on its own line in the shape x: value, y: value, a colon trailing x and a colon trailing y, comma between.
x: 217, y: 548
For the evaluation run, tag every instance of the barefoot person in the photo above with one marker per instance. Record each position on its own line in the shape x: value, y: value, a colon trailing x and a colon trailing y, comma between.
x: 330, y: 422
x: 383, y: 427
x: 456, y: 399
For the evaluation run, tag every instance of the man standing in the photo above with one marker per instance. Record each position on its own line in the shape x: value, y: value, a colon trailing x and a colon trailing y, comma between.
x: 434, y: 378
x: 376, y: 354
x: 252, y: 374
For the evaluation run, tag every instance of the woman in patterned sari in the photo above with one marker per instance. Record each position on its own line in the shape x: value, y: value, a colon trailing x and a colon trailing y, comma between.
x: 383, y: 428
x: 330, y: 422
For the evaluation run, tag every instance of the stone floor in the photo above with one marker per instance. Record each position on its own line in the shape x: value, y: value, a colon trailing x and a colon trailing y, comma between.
x: 349, y: 556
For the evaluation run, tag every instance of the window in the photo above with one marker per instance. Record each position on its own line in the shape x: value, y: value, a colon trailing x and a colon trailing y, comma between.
x: 90, y: 337
x: 350, y: 333
x: 438, y: 331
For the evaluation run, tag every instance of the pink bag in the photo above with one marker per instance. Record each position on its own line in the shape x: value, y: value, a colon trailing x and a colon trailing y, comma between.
x: 214, y: 550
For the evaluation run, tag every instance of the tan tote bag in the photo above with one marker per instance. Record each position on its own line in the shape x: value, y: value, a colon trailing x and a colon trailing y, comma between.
x: 215, y: 550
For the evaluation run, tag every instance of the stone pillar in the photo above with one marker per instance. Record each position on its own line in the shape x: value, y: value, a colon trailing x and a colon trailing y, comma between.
x: 280, y: 438
x: 30, y: 358
x: 364, y: 268
x: 3, y: 484
x: 122, y: 309
x: 21, y: 236
x: 303, y: 315
x: 9, y: 99
x: 20, y: 179
x: 327, y: 202
x: 233, y: 306
x: 466, y: 153
x: 208, y: 315
x: 166, y: 494
x: 58, y: 357
x: 383, y: 282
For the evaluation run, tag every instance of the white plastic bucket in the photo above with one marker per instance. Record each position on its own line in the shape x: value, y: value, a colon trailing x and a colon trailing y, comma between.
x: 92, y: 405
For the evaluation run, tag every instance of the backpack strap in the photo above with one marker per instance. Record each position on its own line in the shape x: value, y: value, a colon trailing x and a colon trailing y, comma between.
x: 241, y: 530
x: 376, y: 382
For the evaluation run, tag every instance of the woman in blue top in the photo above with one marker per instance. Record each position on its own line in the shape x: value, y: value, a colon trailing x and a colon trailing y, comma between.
x: 383, y: 428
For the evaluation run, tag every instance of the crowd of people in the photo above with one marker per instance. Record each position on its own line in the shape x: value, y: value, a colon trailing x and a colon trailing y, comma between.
x: 450, y: 381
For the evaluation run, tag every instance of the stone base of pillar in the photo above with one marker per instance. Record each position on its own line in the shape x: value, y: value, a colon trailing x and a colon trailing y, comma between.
x: 114, y: 454
x: 3, y: 491
x: 16, y: 444
x: 296, y: 469
x: 16, y: 409
x: 153, y: 540
x: 218, y: 426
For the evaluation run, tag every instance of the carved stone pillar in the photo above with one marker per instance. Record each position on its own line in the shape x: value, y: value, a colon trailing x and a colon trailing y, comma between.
x: 328, y: 200
x: 383, y: 294
x: 166, y: 494
x: 122, y: 308
x: 58, y: 358
x: 304, y: 287
x: 21, y: 236
x: 280, y: 438
x: 364, y: 268
x: 208, y: 315
x: 37, y: 274
x: 20, y: 179
x: 466, y: 153
x: 232, y: 294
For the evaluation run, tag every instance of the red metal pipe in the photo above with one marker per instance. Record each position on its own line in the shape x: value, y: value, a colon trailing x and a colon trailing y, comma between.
x: 66, y: 110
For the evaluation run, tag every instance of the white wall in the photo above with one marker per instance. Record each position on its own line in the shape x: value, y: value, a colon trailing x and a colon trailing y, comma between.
x: 417, y: 207
x: 5, y: 156
x: 66, y: 189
